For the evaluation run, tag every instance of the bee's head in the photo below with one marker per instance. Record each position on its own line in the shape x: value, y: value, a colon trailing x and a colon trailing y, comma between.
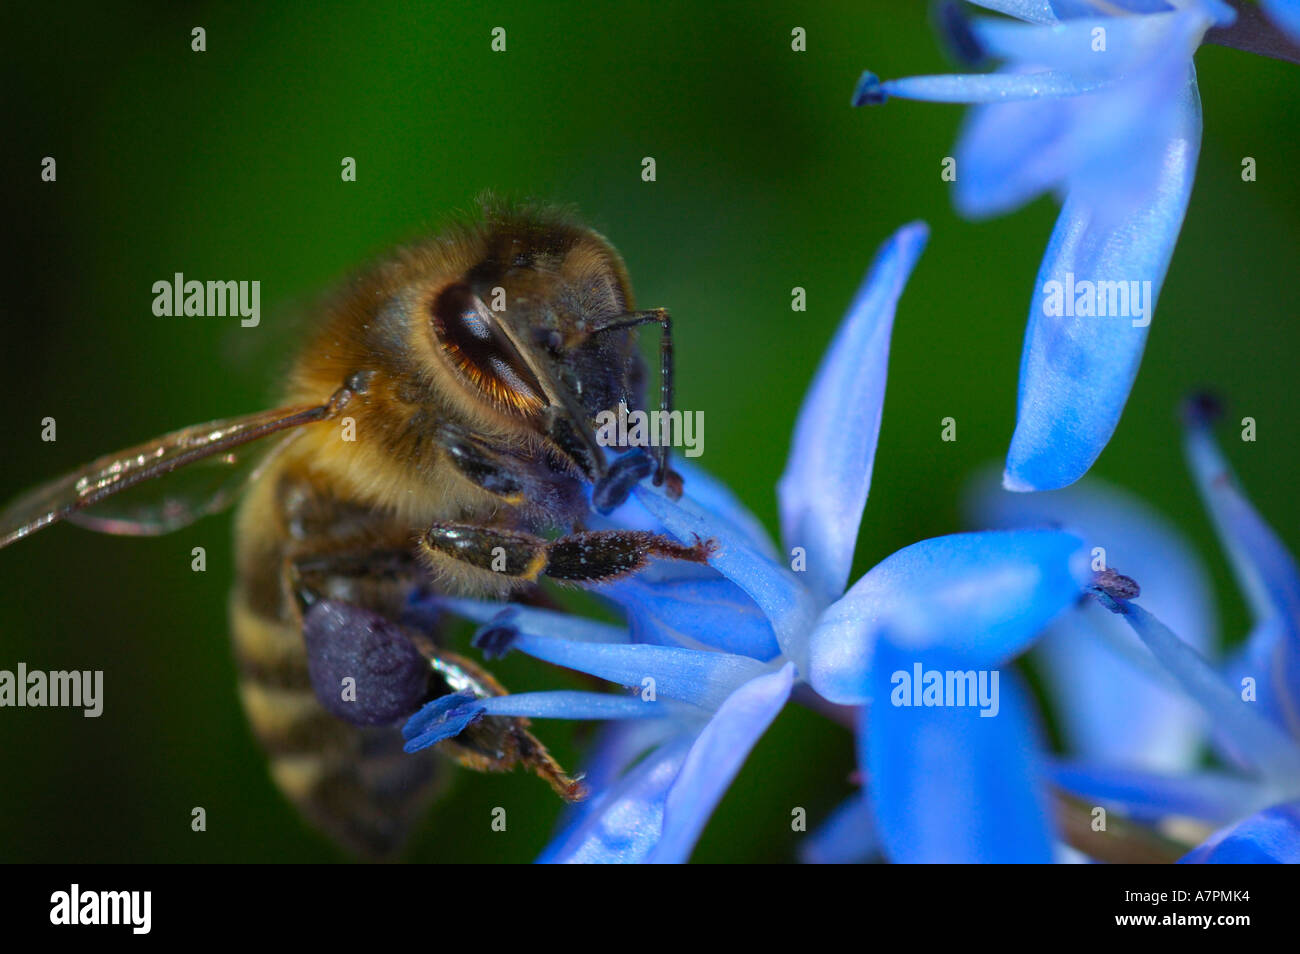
x: 517, y: 327
x: 535, y: 327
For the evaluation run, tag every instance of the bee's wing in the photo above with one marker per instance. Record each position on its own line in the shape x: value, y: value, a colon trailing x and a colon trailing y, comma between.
x: 165, y: 506
x: 177, y: 499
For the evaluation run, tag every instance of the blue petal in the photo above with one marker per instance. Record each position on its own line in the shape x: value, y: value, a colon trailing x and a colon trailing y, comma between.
x: 949, y: 785
x: 974, y: 87
x: 1269, y: 837
x: 1260, y: 741
x: 540, y: 622
x: 1116, y: 713
x: 1109, y: 146
x: 695, y: 612
x: 980, y: 596
x: 1264, y: 568
x: 1121, y: 134
x: 1154, y: 795
x: 566, y: 704
x: 1261, y: 660
x: 690, y: 675
x: 1286, y: 14
x: 1034, y: 11
x: 623, y: 823
x: 1111, y: 710
x: 618, y: 746
x: 1131, y: 42
x: 828, y: 473
x: 1010, y: 152
x: 847, y: 837
x: 1076, y: 372
x: 717, y: 498
x: 714, y: 760
x: 1074, y: 9
x: 1216, y: 10
x: 711, y: 495
x: 786, y: 602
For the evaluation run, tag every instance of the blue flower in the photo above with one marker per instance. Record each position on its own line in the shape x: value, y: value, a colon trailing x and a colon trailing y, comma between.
x: 715, y: 652
x: 1286, y: 14
x: 1268, y: 837
x: 1114, y: 705
x: 1103, y: 109
x: 1138, y: 753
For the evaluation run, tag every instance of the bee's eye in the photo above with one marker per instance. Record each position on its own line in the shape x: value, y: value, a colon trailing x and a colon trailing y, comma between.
x: 471, y: 337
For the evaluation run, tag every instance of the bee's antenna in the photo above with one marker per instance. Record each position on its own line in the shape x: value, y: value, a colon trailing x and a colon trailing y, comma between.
x: 661, y: 317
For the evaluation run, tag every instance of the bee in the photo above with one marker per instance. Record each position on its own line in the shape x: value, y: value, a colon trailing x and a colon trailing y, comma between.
x: 436, y: 437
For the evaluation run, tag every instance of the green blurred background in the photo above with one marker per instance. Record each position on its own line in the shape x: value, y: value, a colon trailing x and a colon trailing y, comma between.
x: 225, y: 165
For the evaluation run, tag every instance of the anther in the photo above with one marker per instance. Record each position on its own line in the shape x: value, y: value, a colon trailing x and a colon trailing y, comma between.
x: 495, y: 640
x: 625, y: 473
x: 1202, y: 409
x: 1116, y: 585
x: 869, y: 91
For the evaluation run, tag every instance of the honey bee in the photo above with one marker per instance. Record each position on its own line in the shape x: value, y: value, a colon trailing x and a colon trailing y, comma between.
x: 437, y: 438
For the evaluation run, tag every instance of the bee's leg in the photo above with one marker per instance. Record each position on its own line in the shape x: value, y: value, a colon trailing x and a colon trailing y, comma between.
x: 514, y: 480
x: 490, y: 468
x: 369, y: 669
x: 601, y: 555
x: 363, y: 657
x: 504, y: 559
x: 338, y: 574
x: 498, y: 743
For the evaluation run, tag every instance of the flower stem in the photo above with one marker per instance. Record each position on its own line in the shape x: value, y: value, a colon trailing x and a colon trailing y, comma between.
x: 1122, y: 842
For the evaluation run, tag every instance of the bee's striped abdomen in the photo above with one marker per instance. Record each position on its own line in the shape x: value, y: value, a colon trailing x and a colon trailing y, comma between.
x: 353, y: 782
